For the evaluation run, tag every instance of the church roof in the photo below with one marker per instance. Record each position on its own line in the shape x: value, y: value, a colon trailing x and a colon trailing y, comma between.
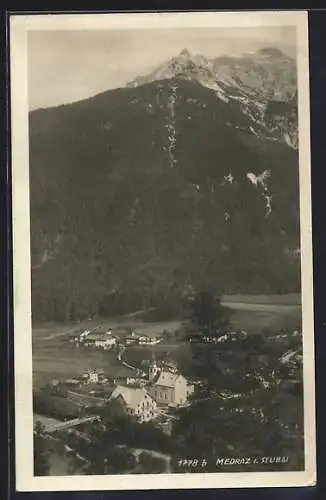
x: 167, y: 379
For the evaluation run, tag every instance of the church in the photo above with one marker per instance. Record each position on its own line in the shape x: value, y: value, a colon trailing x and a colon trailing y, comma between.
x: 167, y: 386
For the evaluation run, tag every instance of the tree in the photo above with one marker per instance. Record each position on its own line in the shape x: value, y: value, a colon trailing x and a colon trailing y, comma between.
x: 208, y: 316
x: 237, y: 411
x: 99, y: 451
x: 109, y: 443
x: 152, y: 464
x: 167, y: 336
x: 41, y: 463
x: 208, y: 320
x: 233, y: 428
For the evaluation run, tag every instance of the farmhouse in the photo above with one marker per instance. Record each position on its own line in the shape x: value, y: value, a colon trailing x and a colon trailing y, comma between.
x: 146, y: 340
x: 292, y: 357
x: 124, y: 375
x: 129, y: 340
x: 93, y: 376
x: 104, y: 340
x: 169, y: 365
x: 136, y: 401
x: 152, y: 367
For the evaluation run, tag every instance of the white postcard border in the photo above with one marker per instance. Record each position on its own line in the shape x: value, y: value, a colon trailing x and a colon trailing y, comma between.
x: 19, y: 27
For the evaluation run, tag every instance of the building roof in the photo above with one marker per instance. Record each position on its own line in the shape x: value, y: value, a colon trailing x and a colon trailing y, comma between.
x: 291, y: 356
x: 121, y: 371
x: 132, y: 396
x: 99, y: 336
x: 170, y: 363
x: 99, y: 371
x: 167, y: 379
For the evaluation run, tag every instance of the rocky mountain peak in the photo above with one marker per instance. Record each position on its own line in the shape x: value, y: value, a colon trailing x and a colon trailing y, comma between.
x: 249, y: 81
x: 184, y: 177
x: 185, y: 54
x: 270, y: 52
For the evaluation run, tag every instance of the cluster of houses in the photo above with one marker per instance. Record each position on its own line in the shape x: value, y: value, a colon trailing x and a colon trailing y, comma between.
x: 293, y: 360
x: 106, y: 339
x: 217, y: 339
x: 143, y: 393
x: 286, y: 335
x: 163, y: 386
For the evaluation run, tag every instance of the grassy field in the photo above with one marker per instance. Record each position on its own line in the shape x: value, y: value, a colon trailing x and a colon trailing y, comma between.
x: 290, y: 299
x: 180, y: 352
x: 60, y: 361
x: 259, y: 320
x: 55, y: 358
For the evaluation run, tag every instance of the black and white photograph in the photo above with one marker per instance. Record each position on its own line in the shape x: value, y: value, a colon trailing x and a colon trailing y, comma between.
x: 163, y: 294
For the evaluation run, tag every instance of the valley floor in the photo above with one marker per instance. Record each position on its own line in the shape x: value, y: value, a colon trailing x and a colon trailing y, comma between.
x: 54, y: 358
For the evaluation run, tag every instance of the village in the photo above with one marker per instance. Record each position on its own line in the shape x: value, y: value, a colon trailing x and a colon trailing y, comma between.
x: 149, y: 391
x: 150, y: 388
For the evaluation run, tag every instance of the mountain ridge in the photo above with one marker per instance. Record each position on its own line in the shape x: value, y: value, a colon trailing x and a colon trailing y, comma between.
x: 254, y: 80
x: 139, y: 193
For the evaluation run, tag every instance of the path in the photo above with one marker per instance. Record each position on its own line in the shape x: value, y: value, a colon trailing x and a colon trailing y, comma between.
x: 59, y: 334
x: 60, y: 426
x: 155, y: 454
x: 246, y: 306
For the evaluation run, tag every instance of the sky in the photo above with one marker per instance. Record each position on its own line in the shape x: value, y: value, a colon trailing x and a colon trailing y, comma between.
x: 67, y: 66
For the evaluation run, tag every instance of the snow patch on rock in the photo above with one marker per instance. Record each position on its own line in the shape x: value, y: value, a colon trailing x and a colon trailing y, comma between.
x: 228, y: 178
x: 218, y: 90
x: 260, y: 180
x: 253, y: 131
x: 171, y: 125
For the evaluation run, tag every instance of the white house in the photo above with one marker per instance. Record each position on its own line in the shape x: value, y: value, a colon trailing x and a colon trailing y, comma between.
x: 137, y: 402
x: 123, y: 375
x: 105, y: 340
x: 92, y: 376
x: 146, y: 340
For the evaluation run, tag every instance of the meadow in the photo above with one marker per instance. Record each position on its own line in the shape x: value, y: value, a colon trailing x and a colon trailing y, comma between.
x: 290, y: 299
x: 55, y: 358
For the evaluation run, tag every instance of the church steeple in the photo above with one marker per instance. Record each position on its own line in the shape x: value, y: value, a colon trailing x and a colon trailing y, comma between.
x: 153, y: 368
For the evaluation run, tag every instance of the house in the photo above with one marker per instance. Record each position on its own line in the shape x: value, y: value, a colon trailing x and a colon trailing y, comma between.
x: 170, y: 365
x: 124, y: 375
x: 146, y: 340
x: 170, y: 388
x: 292, y: 357
x: 136, y: 401
x: 79, y: 339
x: 129, y: 340
x: 104, y: 340
x: 152, y: 367
x: 93, y: 376
x: 84, y: 334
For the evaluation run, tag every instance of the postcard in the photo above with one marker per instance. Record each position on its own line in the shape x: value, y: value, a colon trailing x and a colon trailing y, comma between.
x: 162, y: 251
